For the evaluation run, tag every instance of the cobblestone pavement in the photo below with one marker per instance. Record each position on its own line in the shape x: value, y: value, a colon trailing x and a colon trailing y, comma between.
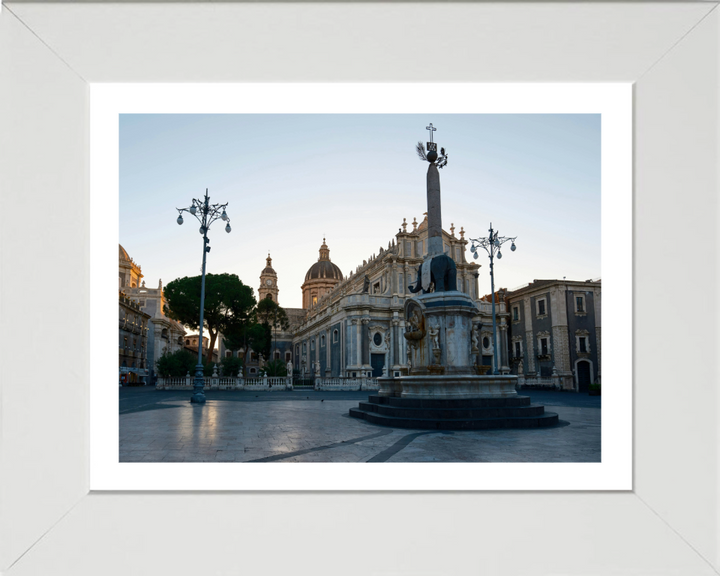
x: 310, y: 426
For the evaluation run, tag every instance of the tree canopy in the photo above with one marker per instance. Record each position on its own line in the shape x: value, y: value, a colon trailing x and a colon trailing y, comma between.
x: 228, y: 304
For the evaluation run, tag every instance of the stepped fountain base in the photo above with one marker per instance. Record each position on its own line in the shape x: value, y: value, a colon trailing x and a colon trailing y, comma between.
x: 452, y: 403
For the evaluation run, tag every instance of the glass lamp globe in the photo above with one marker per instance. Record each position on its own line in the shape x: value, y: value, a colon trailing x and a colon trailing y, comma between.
x: 227, y: 228
x: 180, y: 219
x: 193, y: 209
x: 499, y: 255
x: 224, y: 215
x: 202, y: 230
x: 513, y: 247
x: 475, y: 255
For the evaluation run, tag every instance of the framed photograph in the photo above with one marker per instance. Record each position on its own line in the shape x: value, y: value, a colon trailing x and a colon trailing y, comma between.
x: 57, y: 59
x: 136, y: 136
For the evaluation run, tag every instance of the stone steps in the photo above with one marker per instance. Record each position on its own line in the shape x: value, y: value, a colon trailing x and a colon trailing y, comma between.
x: 455, y: 414
x: 510, y: 401
x: 468, y: 412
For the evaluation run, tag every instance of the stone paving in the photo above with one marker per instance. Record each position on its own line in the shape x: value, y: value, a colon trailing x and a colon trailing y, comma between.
x: 310, y: 426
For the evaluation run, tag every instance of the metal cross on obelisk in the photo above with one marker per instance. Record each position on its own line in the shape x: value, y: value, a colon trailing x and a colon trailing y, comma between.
x: 431, y: 145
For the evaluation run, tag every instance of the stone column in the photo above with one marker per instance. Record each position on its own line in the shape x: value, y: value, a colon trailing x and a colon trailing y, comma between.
x: 395, y: 343
x: 358, y: 343
x: 328, y: 341
x: 503, y: 344
x: 529, y: 337
x: 561, y: 343
x: 365, y: 347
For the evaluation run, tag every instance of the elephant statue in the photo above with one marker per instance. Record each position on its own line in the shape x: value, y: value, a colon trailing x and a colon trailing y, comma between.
x: 443, y: 274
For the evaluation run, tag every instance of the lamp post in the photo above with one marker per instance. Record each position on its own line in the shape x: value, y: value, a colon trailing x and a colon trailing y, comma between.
x: 206, y: 214
x: 492, y: 245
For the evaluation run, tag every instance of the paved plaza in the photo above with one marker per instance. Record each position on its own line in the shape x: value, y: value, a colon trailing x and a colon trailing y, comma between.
x: 312, y: 426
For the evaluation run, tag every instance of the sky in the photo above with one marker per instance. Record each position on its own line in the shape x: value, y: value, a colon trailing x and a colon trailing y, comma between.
x: 291, y: 180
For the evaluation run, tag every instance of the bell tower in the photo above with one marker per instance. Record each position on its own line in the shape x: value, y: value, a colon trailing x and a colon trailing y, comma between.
x: 268, y: 282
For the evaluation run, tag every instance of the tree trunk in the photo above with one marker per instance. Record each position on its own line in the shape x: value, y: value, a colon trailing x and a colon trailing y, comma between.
x: 211, y: 347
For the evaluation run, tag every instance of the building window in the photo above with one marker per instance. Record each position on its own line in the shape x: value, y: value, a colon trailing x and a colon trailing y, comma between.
x: 277, y: 354
x: 518, y: 350
x: 314, y: 300
x: 541, y: 307
x: 335, y: 335
x: 288, y: 356
x: 486, y: 342
x: 544, y: 346
x: 377, y: 339
x: 516, y: 313
x: 312, y: 344
x: 187, y: 342
x: 376, y: 288
x: 579, y: 304
x: 583, y: 344
x: 322, y: 340
x: 228, y: 354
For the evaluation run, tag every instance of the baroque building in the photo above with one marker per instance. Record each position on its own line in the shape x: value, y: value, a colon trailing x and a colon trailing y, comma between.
x: 354, y: 324
x: 164, y: 334
x: 133, y: 341
x: 555, y: 333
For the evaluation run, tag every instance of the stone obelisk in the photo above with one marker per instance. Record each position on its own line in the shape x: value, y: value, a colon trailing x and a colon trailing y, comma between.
x: 435, y: 242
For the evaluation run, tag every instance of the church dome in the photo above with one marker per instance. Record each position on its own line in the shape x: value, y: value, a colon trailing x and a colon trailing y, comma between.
x: 123, y: 253
x: 323, y: 268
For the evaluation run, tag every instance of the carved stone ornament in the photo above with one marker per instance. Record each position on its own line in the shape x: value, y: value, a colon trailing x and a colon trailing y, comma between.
x: 414, y: 323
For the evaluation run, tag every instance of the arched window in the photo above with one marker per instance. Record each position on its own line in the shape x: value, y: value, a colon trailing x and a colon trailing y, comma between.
x: 335, y: 335
x: 164, y: 333
x: 288, y: 356
x: 277, y: 354
x: 228, y: 354
x: 187, y: 342
x: 322, y: 340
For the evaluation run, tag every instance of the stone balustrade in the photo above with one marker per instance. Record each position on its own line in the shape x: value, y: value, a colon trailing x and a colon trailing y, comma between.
x: 346, y: 384
x: 267, y: 383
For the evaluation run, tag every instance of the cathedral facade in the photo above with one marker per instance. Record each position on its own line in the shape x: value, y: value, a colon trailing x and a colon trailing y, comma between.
x: 354, y: 325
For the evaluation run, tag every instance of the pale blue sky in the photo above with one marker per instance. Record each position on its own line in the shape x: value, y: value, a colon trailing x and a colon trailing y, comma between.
x: 291, y: 179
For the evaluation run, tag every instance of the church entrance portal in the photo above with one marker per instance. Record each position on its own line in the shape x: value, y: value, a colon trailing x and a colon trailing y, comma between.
x: 377, y: 361
x: 583, y: 374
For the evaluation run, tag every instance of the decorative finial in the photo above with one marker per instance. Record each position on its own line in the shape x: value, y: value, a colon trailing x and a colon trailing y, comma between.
x: 452, y: 229
x: 462, y: 233
x: 414, y: 224
x: 431, y: 155
x: 404, y: 225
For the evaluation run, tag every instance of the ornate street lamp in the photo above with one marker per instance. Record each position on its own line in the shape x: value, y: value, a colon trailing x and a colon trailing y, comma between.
x: 492, y: 245
x: 206, y: 214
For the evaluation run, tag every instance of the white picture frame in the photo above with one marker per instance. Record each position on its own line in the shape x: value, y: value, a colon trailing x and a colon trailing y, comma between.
x: 49, y: 523
x: 612, y: 102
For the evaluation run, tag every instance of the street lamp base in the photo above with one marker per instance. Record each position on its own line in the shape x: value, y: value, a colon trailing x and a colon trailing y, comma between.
x: 198, y: 398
